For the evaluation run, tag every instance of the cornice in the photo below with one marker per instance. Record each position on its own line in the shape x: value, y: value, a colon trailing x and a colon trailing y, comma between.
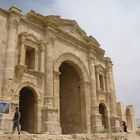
x: 3, y: 11
x: 29, y: 23
x: 15, y: 10
x: 36, y: 18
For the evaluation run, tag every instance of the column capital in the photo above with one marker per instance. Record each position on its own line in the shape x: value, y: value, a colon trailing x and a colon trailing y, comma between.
x: 42, y: 44
x: 22, y: 39
x: 56, y: 74
x: 14, y: 18
x: 91, y: 56
x: 48, y: 101
x: 85, y: 83
x: 108, y: 63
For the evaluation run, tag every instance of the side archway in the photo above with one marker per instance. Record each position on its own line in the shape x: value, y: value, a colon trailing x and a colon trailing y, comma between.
x: 28, y: 109
x: 28, y: 98
x: 104, y: 115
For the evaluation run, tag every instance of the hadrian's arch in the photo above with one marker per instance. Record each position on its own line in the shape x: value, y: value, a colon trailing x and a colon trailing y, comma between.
x: 73, y: 75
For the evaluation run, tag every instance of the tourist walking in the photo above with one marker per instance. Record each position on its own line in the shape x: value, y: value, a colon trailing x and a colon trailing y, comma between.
x: 16, y: 121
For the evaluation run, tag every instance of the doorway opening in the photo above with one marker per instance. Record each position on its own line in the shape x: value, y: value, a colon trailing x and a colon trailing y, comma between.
x: 28, y: 110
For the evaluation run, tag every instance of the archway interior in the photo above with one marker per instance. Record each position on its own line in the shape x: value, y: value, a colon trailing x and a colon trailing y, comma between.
x: 103, y: 112
x: 129, y: 119
x: 71, y: 114
x: 27, y: 107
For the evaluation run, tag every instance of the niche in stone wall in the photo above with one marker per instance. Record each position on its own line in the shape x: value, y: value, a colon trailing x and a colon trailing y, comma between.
x: 30, y: 58
x: 101, y: 81
x: 100, y: 78
x: 30, y: 51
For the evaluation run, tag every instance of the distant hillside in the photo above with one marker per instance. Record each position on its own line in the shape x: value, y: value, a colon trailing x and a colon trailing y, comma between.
x: 138, y: 122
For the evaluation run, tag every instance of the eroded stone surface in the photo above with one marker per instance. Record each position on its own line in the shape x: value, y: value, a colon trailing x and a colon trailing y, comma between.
x: 58, y: 76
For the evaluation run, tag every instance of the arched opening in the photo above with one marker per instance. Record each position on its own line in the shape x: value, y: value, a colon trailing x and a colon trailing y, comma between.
x: 28, y: 110
x: 129, y: 119
x: 103, y: 112
x: 72, y: 101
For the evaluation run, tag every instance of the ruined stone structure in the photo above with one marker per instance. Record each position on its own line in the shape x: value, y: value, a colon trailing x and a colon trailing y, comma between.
x: 57, y: 75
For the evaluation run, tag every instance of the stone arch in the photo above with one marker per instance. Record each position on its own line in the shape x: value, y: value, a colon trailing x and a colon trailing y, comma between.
x: 129, y: 118
x: 31, y: 86
x: 76, y: 61
x: 30, y: 101
x: 104, y: 115
x: 28, y: 104
x: 72, y: 78
x: 105, y: 104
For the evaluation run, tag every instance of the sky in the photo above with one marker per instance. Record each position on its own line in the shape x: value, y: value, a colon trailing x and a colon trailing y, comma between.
x: 116, y: 26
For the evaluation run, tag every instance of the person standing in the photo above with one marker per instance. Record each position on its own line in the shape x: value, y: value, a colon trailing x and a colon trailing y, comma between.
x: 16, y: 121
x: 124, y: 126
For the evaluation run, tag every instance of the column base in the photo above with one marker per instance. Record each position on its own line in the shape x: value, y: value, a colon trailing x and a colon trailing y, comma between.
x: 96, y: 124
x: 51, y: 122
x: 115, y: 124
x: 48, y: 101
x: 5, y: 123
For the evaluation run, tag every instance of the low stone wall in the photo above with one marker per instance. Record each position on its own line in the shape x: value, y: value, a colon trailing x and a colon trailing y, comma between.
x: 63, y: 137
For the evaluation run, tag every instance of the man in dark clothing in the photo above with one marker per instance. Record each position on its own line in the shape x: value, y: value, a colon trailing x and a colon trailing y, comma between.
x: 15, y: 120
x: 124, y: 126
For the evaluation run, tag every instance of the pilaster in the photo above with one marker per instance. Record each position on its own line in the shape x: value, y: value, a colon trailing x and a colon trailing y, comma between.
x: 42, y: 61
x: 22, y: 50
x: 13, y: 21
x: 49, y: 73
x: 51, y: 122
x: 113, y: 108
x: 95, y: 116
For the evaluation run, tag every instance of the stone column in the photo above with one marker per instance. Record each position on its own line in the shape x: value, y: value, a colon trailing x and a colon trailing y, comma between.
x: 39, y: 119
x: 42, y: 61
x: 13, y: 20
x: 22, y: 50
x: 85, y: 106
x: 113, y: 108
x: 49, y: 73
x: 97, y: 81
x: 36, y: 59
x: 51, y: 111
x: 95, y: 116
x: 104, y: 82
x: 51, y: 121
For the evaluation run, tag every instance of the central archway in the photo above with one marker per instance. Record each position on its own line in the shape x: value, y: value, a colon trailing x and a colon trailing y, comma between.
x: 28, y: 110
x: 72, y: 104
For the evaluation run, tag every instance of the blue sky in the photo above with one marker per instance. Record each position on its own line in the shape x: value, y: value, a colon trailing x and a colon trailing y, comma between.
x: 114, y: 23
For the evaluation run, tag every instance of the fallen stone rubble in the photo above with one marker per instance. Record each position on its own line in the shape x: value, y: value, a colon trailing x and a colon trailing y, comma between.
x: 25, y: 136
